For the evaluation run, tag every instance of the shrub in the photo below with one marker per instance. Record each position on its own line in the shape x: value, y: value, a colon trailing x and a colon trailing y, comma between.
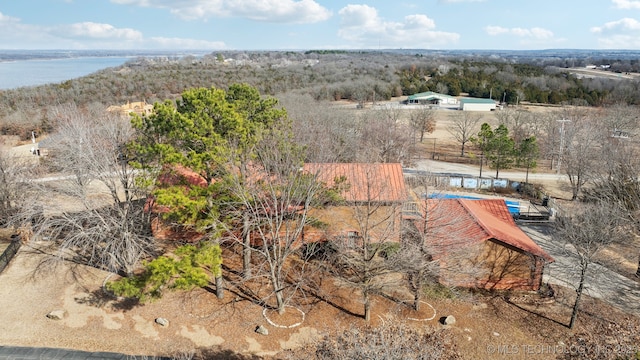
x: 391, y: 342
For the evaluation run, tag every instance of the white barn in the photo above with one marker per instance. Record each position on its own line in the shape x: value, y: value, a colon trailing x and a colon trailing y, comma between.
x: 477, y: 104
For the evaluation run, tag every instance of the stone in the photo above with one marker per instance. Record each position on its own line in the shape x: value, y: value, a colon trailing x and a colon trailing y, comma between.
x: 262, y: 330
x: 496, y: 334
x: 162, y: 321
x: 449, y: 320
x: 56, y: 315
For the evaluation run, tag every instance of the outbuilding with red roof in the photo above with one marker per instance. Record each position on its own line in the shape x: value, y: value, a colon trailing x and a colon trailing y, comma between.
x: 478, y: 244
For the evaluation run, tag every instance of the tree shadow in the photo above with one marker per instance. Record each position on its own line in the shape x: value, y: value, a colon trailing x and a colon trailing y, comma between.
x: 537, y: 314
x: 99, y: 299
x: 238, y: 287
x: 221, y: 354
x: 335, y: 305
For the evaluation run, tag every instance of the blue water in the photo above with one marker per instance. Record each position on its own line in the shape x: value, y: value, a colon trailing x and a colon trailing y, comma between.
x: 14, y: 74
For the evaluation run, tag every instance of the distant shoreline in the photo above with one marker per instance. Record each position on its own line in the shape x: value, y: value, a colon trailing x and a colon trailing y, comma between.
x: 24, y: 68
x: 26, y: 55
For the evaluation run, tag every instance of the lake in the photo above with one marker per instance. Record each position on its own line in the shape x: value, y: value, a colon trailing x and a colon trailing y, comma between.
x: 14, y: 74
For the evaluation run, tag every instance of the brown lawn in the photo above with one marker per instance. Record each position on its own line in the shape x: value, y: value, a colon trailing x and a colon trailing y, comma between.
x: 198, y: 322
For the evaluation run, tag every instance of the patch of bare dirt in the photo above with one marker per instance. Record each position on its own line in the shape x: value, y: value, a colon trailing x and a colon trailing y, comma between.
x: 199, y: 322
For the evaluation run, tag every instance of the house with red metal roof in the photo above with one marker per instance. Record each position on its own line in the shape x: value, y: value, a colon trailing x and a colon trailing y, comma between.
x: 371, y: 192
x: 478, y: 244
x: 373, y: 195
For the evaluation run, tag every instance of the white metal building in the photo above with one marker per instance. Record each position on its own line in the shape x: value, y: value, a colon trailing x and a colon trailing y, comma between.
x: 477, y: 104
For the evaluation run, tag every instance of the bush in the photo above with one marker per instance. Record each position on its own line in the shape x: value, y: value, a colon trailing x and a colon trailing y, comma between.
x: 392, y: 342
x: 439, y: 291
x: 387, y: 250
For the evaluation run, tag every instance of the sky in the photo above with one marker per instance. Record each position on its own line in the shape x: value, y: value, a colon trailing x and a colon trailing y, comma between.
x: 319, y: 24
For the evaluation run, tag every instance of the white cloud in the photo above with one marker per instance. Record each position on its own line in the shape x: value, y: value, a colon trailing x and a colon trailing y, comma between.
x: 361, y: 25
x: 535, y: 33
x: 624, y: 24
x: 626, y: 4
x: 7, y: 20
x: 496, y: 30
x: 91, y: 30
x: 276, y: 11
x: 14, y: 34
x: 619, y: 34
x: 87, y: 35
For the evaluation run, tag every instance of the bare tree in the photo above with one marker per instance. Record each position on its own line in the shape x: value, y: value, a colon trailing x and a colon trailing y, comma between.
x: 276, y: 197
x: 547, y: 132
x: 95, y: 208
x: 463, y: 128
x: 329, y: 133
x: 423, y: 120
x: 586, y: 233
x: 415, y: 256
x: 360, y: 261
x: 384, y: 137
x: 434, y: 246
x: 617, y: 181
x: 621, y: 120
x: 517, y: 121
x: 582, y: 145
x: 16, y: 172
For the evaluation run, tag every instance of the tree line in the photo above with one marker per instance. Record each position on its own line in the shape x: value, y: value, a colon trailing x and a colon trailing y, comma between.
x: 357, y: 76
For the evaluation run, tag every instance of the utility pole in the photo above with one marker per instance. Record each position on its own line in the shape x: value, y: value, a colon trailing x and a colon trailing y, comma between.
x: 562, y: 121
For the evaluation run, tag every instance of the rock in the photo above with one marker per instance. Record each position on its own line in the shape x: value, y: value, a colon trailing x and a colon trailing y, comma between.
x: 496, y: 334
x: 262, y: 330
x: 56, y: 315
x: 449, y: 320
x: 162, y: 321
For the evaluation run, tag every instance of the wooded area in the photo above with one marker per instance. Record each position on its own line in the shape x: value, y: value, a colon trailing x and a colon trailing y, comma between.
x: 357, y: 76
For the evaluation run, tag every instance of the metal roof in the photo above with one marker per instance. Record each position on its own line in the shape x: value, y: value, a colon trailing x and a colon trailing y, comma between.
x: 477, y: 101
x: 475, y: 221
x: 374, y: 182
x: 428, y: 96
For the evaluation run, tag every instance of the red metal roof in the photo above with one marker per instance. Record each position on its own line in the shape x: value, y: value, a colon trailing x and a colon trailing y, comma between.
x: 176, y: 174
x: 380, y: 182
x: 457, y: 222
